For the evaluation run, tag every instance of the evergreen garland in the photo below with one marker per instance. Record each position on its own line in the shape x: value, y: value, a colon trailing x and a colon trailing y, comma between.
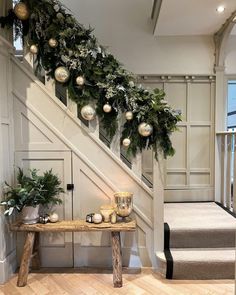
x: 106, y: 79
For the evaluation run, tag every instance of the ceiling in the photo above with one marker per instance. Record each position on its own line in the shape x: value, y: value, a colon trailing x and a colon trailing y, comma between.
x: 192, y: 17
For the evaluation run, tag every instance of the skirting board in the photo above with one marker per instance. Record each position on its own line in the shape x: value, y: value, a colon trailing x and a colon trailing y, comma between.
x: 8, y: 267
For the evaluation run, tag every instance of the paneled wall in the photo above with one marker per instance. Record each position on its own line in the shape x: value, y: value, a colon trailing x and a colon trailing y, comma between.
x: 190, y: 173
x: 7, y: 241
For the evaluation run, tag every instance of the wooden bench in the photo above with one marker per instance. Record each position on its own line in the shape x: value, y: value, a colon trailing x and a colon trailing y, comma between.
x: 31, y: 246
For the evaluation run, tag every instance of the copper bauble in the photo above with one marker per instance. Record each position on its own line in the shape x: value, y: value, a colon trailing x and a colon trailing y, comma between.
x: 88, y: 112
x: 107, y: 108
x: 34, y: 49
x: 21, y: 11
x: 80, y: 80
x: 145, y: 129
x: 53, y: 43
x: 62, y: 74
x: 126, y: 142
x: 129, y: 115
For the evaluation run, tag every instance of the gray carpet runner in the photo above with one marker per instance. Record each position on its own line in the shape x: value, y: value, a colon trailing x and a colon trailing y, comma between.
x: 199, y: 242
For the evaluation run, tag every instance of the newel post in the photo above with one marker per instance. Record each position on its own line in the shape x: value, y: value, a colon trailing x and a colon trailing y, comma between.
x: 158, y: 204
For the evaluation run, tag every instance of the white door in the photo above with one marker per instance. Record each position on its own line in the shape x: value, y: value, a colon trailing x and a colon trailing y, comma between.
x: 56, y: 249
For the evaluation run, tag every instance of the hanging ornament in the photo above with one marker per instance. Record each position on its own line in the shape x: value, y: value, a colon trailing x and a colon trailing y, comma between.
x: 80, y: 80
x: 126, y: 142
x: 21, y: 11
x: 145, y: 129
x: 107, y: 108
x: 129, y: 115
x: 34, y: 49
x: 53, y: 43
x: 88, y: 112
x: 62, y: 74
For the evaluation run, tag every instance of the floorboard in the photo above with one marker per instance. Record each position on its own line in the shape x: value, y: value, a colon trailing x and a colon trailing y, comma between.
x: 67, y: 282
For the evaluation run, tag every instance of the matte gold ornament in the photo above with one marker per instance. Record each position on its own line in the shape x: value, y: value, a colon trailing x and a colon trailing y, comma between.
x: 53, y: 43
x: 129, y: 115
x: 88, y: 112
x: 80, y: 80
x: 145, y: 129
x: 62, y: 74
x: 34, y: 49
x: 107, y: 108
x: 126, y: 142
x: 21, y: 11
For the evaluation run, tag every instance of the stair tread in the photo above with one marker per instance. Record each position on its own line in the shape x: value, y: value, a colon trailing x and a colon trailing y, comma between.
x: 198, y: 216
x: 201, y: 255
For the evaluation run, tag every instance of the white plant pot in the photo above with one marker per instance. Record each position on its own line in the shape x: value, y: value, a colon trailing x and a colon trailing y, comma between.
x: 30, y: 215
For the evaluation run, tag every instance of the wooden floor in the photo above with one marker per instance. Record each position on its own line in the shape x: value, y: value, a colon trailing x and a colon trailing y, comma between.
x: 74, y: 283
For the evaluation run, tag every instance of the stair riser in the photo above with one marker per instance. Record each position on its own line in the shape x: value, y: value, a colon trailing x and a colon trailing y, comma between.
x: 193, y: 239
x: 203, y: 271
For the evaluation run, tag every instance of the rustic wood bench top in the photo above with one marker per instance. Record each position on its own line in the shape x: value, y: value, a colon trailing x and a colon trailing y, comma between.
x: 74, y: 226
x: 32, y: 242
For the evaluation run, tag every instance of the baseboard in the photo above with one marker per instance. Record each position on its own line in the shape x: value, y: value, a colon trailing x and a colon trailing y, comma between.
x: 8, y: 267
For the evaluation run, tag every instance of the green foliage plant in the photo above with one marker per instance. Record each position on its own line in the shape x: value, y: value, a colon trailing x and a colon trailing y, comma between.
x: 32, y: 190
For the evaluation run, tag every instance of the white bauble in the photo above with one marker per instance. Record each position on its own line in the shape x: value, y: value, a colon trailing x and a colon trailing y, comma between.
x: 88, y: 112
x: 107, y: 108
x: 131, y: 83
x: 145, y: 129
x: 80, y: 80
x: 97, y: 218
x: 53, y: 217
x: 34, y: 49
x: 21, y: 11
x: 53, y: 43
x: 129, y: 115
x: 126, y: 142
x: 62, y: 74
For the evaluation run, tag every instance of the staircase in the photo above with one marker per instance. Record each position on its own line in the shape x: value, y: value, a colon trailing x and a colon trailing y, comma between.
x: 199, y: 242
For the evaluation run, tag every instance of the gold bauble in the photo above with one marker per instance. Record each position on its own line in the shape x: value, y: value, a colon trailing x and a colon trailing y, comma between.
x: 107, y: 108
x: 62, y: 74
x: 88, y: 112
x: 129, y: 115
x: 145, y: 129
x: 80, y: 80
x: 34, y: 49
x: 126, y: 142
x: 21, y: 11
x: 53, y: 43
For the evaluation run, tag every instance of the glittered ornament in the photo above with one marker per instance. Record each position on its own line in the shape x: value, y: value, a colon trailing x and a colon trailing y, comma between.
x: 126, y: 142
x: 129, y: 115
x: 21, y: 11
x: 88, y: 112
x: 53, y: 217
x: 62, y: 74
x: 34, y: 49
x: 107, y: 108
x: 80, y: 80
x: 145, y: 129
x: 53, y: 43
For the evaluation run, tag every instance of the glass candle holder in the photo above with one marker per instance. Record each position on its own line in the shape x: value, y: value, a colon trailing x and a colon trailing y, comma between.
x: 106, y: 211
x: 124, y: 203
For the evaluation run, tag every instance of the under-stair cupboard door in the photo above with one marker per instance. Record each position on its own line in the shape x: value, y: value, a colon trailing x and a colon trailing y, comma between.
x: 56, y: 250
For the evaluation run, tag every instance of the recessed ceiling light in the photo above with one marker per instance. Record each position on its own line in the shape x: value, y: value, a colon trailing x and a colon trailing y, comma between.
x: 220, y: 9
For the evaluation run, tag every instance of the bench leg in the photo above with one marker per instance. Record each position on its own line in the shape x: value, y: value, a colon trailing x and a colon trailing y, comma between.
x: 25, y: 260
x: 36, y: 258
x: 116, y: 260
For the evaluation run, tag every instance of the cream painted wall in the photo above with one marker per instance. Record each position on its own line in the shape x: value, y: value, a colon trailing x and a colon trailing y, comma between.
x: 125, y: 26
x: 230, y: 61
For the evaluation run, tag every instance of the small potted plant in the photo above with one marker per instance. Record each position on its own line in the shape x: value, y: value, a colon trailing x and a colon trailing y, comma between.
x: 31, y: 192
